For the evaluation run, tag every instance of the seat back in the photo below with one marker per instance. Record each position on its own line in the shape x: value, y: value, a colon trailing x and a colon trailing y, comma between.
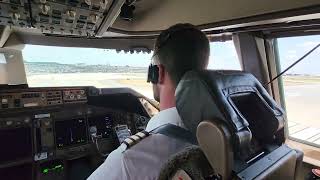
x: 237, y: 123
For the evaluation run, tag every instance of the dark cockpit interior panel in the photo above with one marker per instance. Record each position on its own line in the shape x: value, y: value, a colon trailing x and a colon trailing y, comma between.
x: 48, y: 133
x: 63, y: 17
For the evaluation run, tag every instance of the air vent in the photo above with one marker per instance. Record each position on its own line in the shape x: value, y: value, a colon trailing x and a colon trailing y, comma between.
x: 54, y: 97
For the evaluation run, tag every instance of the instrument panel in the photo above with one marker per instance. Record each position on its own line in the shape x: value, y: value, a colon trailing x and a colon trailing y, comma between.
x: 46, y: 128
x: 61, y: 17
x: 41, y: 98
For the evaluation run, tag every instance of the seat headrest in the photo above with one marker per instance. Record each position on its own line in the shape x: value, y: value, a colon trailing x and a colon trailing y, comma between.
x: 236, y: 98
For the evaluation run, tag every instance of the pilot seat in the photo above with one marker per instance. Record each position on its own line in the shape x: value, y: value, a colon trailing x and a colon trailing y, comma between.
x: 239, y: 130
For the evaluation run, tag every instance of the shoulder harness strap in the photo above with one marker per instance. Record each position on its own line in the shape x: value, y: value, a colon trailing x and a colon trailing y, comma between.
x: 176, y: 132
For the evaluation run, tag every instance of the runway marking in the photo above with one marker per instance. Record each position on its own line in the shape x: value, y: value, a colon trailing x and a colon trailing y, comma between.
x: 296, y: 129
x: 291, y: 124
x: 317, y: 142
x: 306, y: 133
x: 314, y: 138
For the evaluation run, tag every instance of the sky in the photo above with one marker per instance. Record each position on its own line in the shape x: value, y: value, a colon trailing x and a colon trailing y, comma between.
x: 293, y: 48
x: 222, y: 56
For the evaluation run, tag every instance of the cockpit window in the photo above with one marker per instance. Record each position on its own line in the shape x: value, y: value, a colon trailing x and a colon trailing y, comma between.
x: 301, y: 87
x: 48, y: 66
x: 223, y: 55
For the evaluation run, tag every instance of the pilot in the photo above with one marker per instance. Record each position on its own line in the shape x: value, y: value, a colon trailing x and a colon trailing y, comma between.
x: 177, y: 50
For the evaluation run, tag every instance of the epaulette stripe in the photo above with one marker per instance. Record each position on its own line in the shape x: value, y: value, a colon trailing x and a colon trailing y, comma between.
x: 132, y: 139
x: 136, y: 138
x: 140, y: 135
x: 125, y: 142
x: 129, y: 141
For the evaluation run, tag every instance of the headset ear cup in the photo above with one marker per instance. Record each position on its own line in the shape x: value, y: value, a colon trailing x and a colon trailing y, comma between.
x: 156, y: 74
x: 149, y: 78
x: 153, y: 74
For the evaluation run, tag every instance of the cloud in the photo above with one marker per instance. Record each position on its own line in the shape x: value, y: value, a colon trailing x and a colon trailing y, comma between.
x: 291, y: 54
x: 308, y: 44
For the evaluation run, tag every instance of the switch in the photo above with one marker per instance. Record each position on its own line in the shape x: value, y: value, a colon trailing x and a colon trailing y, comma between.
x: 4, y: 106
x: 27, y: 120
x: 9, y: 123
x: 44, y: 9
x: 94, y: 18
x: 17, y: 103
x: 71, y: 14
x: 4, y: 101
x: 71, y: 96
x: 15, y: 17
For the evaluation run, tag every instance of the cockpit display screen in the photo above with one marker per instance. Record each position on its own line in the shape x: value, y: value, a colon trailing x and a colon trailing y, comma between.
x: 103, y: 125
x: 16, y: 144
x: 70, y: 132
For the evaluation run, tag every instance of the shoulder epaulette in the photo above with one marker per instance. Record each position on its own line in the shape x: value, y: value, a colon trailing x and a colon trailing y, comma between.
x: 134, y: 139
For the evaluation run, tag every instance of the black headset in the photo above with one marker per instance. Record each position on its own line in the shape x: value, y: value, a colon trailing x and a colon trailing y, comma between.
x: 153, y: 70
x: 153, y: 74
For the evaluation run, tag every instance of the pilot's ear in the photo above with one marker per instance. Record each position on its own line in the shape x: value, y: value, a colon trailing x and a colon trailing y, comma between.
x: 161, y: 74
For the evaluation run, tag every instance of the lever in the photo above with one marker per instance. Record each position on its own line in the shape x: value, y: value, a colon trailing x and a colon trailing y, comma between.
x: 94, y: 137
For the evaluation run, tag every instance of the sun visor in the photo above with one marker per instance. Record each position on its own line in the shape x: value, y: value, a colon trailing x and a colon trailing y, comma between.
x: 12, y: 70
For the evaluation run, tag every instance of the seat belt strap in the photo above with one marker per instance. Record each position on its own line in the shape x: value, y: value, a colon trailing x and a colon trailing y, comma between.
x: 176, y: 132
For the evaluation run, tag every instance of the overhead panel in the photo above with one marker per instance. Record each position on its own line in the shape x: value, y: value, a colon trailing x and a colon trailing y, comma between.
x: 59, y: 17
x: 14, y: 13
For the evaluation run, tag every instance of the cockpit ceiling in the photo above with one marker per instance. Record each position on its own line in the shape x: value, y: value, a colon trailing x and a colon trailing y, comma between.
x: 100, y: 18
x: 153, y: 15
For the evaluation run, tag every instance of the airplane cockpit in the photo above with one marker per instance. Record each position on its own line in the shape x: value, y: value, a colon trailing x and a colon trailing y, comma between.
x: 51, y: 130
x: 66, y: 132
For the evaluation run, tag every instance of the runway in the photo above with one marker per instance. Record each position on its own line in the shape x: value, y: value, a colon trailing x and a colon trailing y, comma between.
x: 303, y: 111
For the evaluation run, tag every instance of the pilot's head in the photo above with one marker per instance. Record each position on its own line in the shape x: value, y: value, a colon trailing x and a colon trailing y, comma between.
x: 178, y: 49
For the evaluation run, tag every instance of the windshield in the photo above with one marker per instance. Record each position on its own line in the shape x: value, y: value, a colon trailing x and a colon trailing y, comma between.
x: 48, y: 66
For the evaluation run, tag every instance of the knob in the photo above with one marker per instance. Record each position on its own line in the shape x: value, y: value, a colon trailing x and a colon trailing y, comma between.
x: 15, y: 17
x: 94, y: 18
x: 88, y: 2
x: 9, y: 123
x: 103, y: 4
x: 27, y: 120
x: 47, y: 123
x: 44, y: 9
x: 51, y: 29
x: 71, y: 14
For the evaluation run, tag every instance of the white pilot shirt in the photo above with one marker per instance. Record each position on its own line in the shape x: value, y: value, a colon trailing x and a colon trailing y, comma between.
x: 144, y: 160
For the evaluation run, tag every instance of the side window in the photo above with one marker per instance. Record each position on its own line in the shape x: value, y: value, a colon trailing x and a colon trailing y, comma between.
x: 223, y: 56
x: 301, y: 86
